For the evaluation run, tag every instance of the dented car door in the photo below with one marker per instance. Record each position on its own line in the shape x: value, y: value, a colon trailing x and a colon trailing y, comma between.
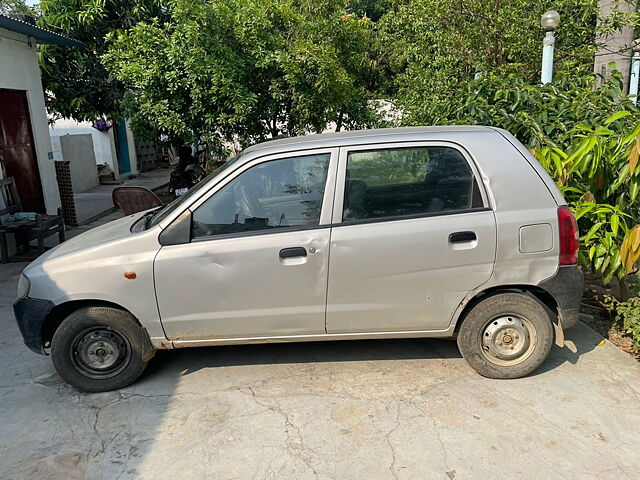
x: 257, y: 262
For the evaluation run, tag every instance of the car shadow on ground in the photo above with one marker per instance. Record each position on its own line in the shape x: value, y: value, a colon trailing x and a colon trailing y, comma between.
x: 190, y: 360
x: 578, y: 341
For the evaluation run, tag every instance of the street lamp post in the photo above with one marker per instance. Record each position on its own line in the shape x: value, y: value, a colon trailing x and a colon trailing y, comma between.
x: 635, y: 72
x: 549, y: 21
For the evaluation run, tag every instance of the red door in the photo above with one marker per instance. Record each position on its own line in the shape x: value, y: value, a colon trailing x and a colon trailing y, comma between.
x: 17, y: 151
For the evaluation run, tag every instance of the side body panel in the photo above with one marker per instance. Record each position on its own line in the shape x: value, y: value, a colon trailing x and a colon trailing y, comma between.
x: 542, y: 173
x: 521, y: 196
x: 240, y: 287
x: 405, y: 274
x: 92, y: 266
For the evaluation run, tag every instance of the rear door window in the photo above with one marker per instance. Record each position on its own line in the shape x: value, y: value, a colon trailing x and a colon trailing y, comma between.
x: 405, y: 182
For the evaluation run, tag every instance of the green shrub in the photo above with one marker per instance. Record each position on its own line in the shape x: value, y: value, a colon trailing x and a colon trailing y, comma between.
x: 597, y: 171
x: 535, y: 114
x: 627, y: 316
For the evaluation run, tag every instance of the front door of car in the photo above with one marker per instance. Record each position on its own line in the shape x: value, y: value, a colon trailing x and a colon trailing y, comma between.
x: 257, y: 262
x: 413, y: 234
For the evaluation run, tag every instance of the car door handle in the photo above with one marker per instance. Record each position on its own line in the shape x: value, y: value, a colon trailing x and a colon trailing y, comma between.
x: 460, y: 237
x: 293, y: 252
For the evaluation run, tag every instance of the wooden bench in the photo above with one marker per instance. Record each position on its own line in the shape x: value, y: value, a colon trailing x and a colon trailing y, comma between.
x: 24, y: 230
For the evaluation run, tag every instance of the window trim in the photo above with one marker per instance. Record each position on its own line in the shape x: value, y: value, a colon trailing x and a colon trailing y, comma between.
x: 328, y: 198
x: 338, y: 202
x: 414, y: 216
x: 259, y: 233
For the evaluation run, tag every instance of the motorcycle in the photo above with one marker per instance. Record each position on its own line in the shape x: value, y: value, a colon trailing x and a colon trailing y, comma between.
x: 186, y: 174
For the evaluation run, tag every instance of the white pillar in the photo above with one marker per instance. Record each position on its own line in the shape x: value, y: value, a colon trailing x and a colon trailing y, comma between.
x: 547, y: 57
x: 633, y: 79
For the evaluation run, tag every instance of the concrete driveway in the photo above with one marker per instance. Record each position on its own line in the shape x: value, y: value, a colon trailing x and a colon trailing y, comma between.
x: 341, y: 410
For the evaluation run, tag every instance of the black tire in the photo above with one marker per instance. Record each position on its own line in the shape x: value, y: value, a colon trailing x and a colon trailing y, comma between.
x: 89, y: 336
x: 492, y: 319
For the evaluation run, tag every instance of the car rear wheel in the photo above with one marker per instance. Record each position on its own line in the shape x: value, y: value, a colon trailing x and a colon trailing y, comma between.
x: 97, y: 349
x: 507, y: 335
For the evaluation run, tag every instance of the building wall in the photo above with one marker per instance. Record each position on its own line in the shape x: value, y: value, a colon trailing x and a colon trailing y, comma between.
x: 112, y: 151
x: 104, y: 147
x: 78, y: 150
x: 615, y: 48
x: 19, y: 70
x: 101, y: 141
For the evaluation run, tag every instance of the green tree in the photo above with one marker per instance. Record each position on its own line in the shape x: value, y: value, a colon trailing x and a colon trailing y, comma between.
x: 81, y: 86
x: 434, y: 48
x: 18, y: 7
x: 246, y: 70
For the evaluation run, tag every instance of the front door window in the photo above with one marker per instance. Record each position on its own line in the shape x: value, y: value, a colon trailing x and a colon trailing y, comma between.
x: 279, y: 194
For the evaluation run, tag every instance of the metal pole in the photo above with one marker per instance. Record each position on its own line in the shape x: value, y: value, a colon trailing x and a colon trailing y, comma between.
x: 547, y: 57
x: 633, y: 81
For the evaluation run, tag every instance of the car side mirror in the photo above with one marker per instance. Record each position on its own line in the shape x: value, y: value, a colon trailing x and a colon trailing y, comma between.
x: 178, y: 231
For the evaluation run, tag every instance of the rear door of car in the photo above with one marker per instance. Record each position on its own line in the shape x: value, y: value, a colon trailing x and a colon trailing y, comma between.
x: 413, y: 233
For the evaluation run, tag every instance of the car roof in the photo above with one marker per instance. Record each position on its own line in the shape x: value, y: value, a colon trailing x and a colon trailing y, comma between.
x: 352, y: 137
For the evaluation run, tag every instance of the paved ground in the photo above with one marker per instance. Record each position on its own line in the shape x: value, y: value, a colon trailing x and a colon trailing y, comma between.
x: 341, y: 410
x: 93, y: 202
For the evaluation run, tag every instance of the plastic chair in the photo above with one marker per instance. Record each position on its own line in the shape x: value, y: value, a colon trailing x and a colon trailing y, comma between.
x: 134, y: 199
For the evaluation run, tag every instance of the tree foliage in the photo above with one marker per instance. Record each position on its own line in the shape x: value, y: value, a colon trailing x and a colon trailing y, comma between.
x: 434, y: 48
x: 247, y: 70
x: 534, y: 114
x: 599, y: 176
x: 80, y: 85
x: 16, y: 7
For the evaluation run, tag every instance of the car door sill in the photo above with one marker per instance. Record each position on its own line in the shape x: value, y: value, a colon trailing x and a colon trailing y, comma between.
x: 309, y: 338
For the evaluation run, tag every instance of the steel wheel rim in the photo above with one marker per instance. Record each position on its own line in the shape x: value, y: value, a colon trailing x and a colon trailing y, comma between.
x: 508, y: 339
x: 100, y: 352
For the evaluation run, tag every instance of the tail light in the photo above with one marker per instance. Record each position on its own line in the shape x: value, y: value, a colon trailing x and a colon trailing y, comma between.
x: 568, y: 236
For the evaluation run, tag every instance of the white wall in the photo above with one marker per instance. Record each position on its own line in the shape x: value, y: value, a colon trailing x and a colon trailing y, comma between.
x: 78, y: 150
x: 101, y: 140
x: 104, y: 147
x: 19, y: 70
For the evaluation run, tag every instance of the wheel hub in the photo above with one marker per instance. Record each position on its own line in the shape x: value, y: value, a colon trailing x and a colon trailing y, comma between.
x: 100, y: 350
x: 506, y: 338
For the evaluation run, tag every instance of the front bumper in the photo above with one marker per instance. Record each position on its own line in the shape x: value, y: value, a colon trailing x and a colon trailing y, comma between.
x: 566, y: 287
x: 30, y: 315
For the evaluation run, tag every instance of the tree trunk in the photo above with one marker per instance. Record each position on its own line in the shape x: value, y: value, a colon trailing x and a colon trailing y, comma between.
x: 339, y: 121
x: 625, y: 291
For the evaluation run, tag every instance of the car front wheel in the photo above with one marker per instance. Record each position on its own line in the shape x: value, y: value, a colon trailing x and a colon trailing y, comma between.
x: 506, y: 335
x: 97, y: 349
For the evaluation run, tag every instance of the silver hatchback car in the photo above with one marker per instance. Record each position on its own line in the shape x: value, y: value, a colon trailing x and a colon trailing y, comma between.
x: 415, y: 232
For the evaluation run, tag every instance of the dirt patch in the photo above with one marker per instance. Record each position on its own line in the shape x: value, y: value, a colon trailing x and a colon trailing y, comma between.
x: 602, y: 321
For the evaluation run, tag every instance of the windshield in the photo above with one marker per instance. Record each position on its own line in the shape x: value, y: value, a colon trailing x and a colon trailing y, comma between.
x: 156, y: 216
